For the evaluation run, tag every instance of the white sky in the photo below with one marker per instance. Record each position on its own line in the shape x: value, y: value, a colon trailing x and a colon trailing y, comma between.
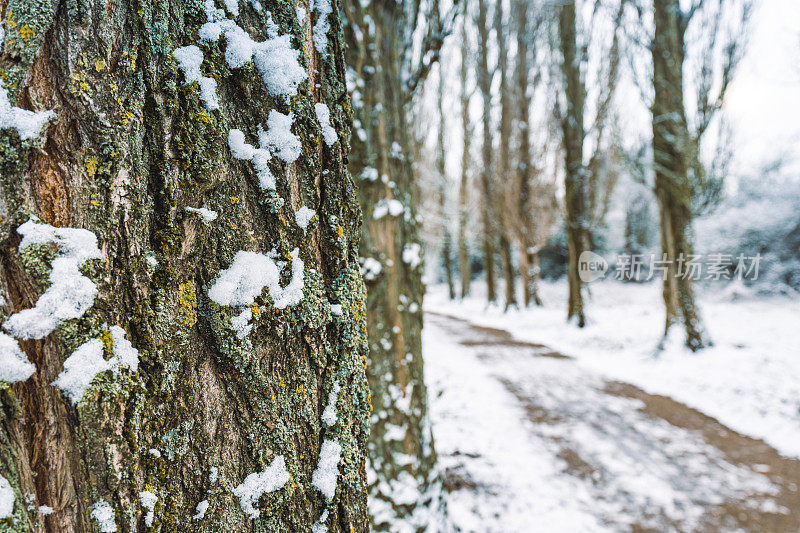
x: 763, y: 104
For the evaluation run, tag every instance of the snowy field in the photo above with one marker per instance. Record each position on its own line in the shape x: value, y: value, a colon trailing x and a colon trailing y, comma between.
x: 749, y: 380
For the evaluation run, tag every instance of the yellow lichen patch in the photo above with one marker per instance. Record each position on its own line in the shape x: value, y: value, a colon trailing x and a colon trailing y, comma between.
x: 107, y: 340
x: 339, y: 231
x: 91, y: 166
x: 187, y: 304
x: 27, y: 33
x: 94, y: 200
x: 203, y: 116
x: 299, y: 389
x: 256, y: 310
x: 100, y: 65
x: 234, y: 200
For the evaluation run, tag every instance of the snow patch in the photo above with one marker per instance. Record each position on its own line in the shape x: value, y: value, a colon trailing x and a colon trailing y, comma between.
x: 148, y: 500
x: 14, y: 364
x: 386, y: 206
x: 241, y: 323
x: 303, y: 216
x: 247, y: 276
x: 206, y: 214
x: 70, y: 293
x: 6, y: 499
x: 200, y: 510
x: 327, y: 472
x: 189, y: 59
x: 28, y: 124
x: 125, y: 355
x: 412, y: 254
x: 329, y: 414
x: 324, y: 117
x: 80, y: 368
x: 257, y: 484
x: 322, y: 27
x: 103, y: 514
x: 278, y: 137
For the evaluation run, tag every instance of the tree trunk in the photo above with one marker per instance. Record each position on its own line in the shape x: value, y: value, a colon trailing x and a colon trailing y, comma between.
x: 504, y: 156
x: 487, y: 207
x: 393, y: 272
x: 230, y: 383
x: 671, y: 149
x: 463, y: 190
x: 575, y: 177
x: 447, y: 241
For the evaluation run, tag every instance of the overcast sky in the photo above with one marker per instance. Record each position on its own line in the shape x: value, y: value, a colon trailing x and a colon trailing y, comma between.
x: 764, y: 102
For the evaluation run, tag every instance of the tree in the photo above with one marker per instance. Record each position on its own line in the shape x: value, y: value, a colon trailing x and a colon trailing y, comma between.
x: 380, y: 53
x: 489, y: 228
x: 441, y: 170
x: 503, y: 166
x: 683, y: 186
x: 587, y: 186
x: 464, y: 188
x: 140, y: 228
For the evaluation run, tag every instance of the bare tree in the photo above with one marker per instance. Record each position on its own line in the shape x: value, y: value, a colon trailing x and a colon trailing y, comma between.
x: 441, y: 168
x: 683, y: 186
x: 466, y: 158
x: 489, y: 237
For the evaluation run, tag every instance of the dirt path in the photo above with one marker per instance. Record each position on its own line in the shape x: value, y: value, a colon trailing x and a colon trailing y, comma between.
x: 645, y: 462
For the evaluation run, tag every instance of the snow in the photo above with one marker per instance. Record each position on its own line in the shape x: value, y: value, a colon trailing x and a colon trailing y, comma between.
x: 233, y: 7
x: 322, y: 27
x: 303, y: 216
x: 80, y: 368
x: 324, y: 116
x: 258, y: 156
x: 45, y: 510
x: 319, y: 526
x: 125, y: 355
x: 329, y: 414
x: 14, y: 364
x: 371, y: 268
x: 275, y: 59
x: 6, y: 499
x: 412, y: 254
x: 241, y: 323
x: 387, y: 206
x: 200, y: 510
x: 326, y: 474
x: 189, y: 59
x: 747, y: 380
x: 70, y: 293
x: 257, y: 484
x: 148, y: 500
x: 28, y: 124
x: 336, y: 309
x: 249, y: 273
x: 154, y: 452
x: 539, y: 440
x: 279, y: 137
x: 103, y: 514
x: 206, y: 214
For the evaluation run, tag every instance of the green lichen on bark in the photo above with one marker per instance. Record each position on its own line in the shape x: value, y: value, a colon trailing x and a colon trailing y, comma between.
x: 132, y: 146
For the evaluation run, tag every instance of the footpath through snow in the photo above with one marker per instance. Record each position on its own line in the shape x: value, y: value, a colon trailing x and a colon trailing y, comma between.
x: 531, y: 440
x: 749, y: 380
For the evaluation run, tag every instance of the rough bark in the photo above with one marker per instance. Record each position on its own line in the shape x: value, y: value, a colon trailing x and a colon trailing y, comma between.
x: 575, y: 185
x: 381, y: 156
x: 463, y: 188
x: 130, y: 148
x: 672, y: 149
x: 489, y: 236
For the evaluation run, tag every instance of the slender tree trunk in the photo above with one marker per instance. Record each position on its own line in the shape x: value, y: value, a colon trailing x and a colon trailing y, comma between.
x: 228, y: 384
x: 575, y: 177
x: 504, y: 156
x: 463, y: 189
x: 447, y: 241
x: 671, y: 149
x: 390, y: 247
x: 489, y: 236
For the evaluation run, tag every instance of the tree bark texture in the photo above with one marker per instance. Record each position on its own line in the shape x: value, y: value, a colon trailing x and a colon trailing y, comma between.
x: 393, y: 270
x: 671, y: 150
x: 130, y: 147
x: 464, y: 186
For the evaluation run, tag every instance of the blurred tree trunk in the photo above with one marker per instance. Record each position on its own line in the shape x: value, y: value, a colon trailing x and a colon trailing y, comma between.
x: 466, y: 159
x: 131, y: 146
x: 504, y: 198
x: 447, y: 240
x: 378, y: 38
x: 672, y: 146
x: 489, y: 237
x: 533, y: 225
x: 575, y: 176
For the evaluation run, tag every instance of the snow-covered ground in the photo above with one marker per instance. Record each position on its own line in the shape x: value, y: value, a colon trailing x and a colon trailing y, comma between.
x: 749, y: 380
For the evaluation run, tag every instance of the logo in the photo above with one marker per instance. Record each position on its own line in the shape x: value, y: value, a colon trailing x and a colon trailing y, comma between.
x: 591, y: 266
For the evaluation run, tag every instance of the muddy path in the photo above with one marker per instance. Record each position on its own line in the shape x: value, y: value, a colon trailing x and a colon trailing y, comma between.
x: 648, y: 462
